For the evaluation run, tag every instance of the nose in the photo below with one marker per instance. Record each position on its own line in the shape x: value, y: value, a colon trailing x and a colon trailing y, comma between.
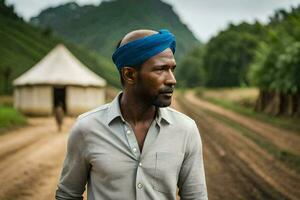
x: 170, y: 80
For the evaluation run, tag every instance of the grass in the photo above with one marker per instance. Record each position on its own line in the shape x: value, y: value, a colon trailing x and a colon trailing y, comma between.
x: 10, y: 118
x: 287, y: 123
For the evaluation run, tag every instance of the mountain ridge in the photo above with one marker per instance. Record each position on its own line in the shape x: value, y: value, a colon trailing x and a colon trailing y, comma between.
x: 101, y: 27
x: 23, y: 45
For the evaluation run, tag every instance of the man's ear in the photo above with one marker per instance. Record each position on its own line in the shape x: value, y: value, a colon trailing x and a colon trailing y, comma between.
x: 129, y: 75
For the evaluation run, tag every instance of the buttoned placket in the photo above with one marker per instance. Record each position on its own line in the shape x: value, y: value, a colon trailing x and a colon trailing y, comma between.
x: 134, y: 148
x: 132, y: 142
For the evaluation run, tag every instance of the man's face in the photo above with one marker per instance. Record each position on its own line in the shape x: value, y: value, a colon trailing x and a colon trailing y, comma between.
x: 156, y: 79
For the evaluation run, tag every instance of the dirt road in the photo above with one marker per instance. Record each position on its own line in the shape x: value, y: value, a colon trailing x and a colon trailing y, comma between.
x: 241, y: 166
x: 31, y: 159
x: 286, y: 140
x: 236, y: 167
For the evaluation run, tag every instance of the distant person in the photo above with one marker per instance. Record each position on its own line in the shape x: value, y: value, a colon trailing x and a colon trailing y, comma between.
x: 59, y: 116
x: 136, y: 147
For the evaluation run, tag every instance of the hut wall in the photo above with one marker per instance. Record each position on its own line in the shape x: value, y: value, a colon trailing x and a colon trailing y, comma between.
x: 33, y: 100
x: 82, y: 99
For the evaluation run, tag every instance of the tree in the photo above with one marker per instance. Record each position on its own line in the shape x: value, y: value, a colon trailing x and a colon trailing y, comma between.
x: 8, y: 11
x: 276, y: 69
x: 229, y: 54
x: 191, y: 72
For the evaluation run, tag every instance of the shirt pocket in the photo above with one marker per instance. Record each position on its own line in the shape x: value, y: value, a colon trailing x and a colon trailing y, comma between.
x: 167, y: 167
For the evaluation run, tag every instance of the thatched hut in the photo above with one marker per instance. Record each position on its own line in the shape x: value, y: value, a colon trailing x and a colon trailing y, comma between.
x: 59, y: 78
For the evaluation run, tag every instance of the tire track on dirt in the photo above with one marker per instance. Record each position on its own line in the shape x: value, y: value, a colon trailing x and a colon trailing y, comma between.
x: 225, y: 179
x: 21, y: 138
x: 261, y: 169
x: 286, y: 140
x: 32, y: 172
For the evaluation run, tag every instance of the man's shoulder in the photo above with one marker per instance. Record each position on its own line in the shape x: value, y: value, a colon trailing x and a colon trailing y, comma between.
x: 178, y: 117
x: 183, y: 124
x: 94, y: 112
x: 94, y: 117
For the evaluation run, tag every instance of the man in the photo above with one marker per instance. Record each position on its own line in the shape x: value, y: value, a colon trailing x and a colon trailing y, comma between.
x: 59, y: 116
x: 135, y: 147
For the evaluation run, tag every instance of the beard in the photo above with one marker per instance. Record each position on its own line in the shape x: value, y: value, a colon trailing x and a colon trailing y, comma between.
x: 161, y: 104
x: 160, y: 98
x: 164, y: 97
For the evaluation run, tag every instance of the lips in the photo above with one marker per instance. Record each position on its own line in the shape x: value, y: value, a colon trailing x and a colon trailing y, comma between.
x: 167, y: 92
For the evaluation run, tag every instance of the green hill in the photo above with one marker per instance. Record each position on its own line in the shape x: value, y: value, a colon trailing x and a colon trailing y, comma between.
x: 23, y: 45
x: 100, y: 27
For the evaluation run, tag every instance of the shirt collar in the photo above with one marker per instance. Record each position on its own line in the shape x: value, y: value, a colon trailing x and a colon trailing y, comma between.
x: 163, y: 116
x: 114, y: 112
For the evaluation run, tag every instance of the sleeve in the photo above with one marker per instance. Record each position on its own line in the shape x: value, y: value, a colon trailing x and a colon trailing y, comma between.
x: 191, y: 182
x: 75, y: 168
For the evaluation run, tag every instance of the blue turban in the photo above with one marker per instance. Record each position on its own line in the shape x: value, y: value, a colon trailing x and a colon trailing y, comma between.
x: 138, y: 51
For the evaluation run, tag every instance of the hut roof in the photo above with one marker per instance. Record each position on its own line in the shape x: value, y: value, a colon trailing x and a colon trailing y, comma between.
x: 60, y: 67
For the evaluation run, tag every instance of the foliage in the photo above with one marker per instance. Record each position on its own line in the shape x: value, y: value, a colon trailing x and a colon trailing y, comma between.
x: 277, y: 63
x: 191, y: 73
x: 266, y: 56
x: 8, y: 11
x: 229, y: 54
x: 9, y: 117
x: 288, y: 74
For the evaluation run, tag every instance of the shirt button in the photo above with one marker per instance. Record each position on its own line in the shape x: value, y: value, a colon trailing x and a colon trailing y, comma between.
x: 140, y: 164
x: 140, y: 186
x: 134, y: 149
x: 128, y: 132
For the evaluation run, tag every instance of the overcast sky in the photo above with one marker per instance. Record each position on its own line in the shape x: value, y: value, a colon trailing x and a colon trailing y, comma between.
x: 204, y: 17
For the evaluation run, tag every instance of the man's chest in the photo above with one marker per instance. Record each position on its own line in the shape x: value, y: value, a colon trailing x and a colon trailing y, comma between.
x: 156, y: 169
x: 115, y: 156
